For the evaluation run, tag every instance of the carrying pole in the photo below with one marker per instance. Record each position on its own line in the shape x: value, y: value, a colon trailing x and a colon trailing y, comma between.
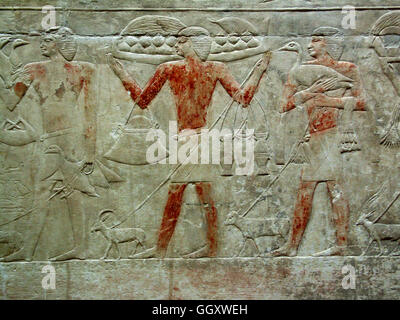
x: 180, y: 164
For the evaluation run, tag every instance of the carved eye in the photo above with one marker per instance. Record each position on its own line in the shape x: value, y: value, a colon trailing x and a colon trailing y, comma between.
x: 182, y: 40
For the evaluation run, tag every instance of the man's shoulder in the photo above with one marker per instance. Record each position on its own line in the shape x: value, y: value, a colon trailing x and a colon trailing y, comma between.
x: 341, y: 66
x: 347, y: 65
x: 311, y: 62
x: 36, y: 67
x: 84, y: 65
x: 171, y: 64
x: 38, y: 64
x: 215, y: 64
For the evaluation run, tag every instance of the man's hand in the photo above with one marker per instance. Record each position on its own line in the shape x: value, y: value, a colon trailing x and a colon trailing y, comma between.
x: 315, y: 92
x: 322, y: 85
x: 263, y: 63
x: 306, y: 138
x: 88, y: 168
x: 115, y: 65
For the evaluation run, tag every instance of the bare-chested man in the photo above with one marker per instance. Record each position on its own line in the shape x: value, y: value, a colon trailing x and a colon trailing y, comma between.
x: 322, y: 107
x: 192, y: 81
x: 68, y: 142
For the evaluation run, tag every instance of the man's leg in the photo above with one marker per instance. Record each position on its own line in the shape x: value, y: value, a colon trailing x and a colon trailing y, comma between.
x: 341, y: 213
x: 203, y: 190
x: 36, y: 219
x: 79, y: 228
x: 301, y: 215
x: 170, y: 216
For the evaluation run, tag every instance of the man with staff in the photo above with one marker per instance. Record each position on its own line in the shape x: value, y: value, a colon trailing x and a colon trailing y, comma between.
x: 321, y: 142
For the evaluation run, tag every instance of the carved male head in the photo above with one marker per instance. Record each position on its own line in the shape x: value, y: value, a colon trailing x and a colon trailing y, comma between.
x: 326, y: 41
x: 194, y: 39
x: 59, y: 40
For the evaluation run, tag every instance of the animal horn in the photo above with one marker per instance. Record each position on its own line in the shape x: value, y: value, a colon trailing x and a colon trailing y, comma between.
x: 103, y: 212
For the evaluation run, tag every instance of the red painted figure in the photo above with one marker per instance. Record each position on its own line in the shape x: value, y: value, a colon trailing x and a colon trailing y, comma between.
x: 192, y: 82
x: 322, y: 143
x: 69, y: 133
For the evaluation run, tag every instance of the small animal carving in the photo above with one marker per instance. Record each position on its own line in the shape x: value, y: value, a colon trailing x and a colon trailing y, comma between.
x: 252, y: 229
x: 115, y: 236
x: 378, y: 231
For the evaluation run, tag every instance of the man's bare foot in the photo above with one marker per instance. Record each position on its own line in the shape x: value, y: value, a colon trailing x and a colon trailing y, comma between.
x: 332, y: 251
x: 200, y: 253
x: 285, y: 251
x: 17, y: 256
x: 149, y: 253
x: 72, y: 254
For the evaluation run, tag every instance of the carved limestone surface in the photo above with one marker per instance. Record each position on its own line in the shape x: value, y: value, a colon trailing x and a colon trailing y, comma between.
x: 200, y: 151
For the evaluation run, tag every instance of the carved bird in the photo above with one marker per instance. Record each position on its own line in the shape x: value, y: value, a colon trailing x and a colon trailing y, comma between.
x: 233, y: 25
x: 307, y: 74
x: 14, y: 58
x: 73, y: 178
x: 4, y: 61
x: 389, y: 23
x: 4, y: 41
x: 10, y: 64
x: 153, y: 25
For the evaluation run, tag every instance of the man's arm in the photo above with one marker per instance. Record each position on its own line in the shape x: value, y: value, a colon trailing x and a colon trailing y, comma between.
x: 292, y: 97
x: 315, y: 95
x: 142, y: 97
x: 153, y: 86
x: 289, y: 91
x: 90, y: 116
x: 130, y: 84
x: 357, y: 91
x: 245, y: 95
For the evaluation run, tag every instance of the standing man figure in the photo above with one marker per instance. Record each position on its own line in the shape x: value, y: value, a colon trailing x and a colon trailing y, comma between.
x: 322, y: 106
x: 192, y: 82
x: 68, y: 143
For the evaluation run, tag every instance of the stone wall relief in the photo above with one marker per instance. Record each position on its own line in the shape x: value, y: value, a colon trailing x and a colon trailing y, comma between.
x: 65, y: 168
x: 322, y: 87
x: 384, y: 39
x: 194, y: 44
x: 327, y: 89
